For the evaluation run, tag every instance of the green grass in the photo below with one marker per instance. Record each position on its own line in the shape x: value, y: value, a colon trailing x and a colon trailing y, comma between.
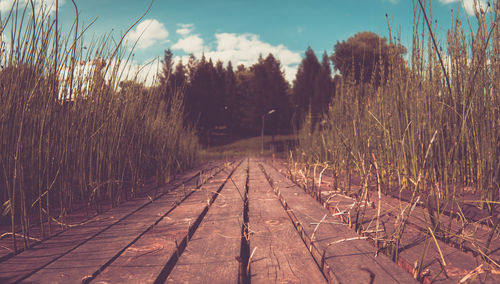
x: 250, y: 146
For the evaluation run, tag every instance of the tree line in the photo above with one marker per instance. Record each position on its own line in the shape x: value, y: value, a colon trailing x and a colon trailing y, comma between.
x: 234, y: 100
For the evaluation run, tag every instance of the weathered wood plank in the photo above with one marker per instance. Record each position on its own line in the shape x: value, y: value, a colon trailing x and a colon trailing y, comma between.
x: 416, y: 240
x: 53, y: 259
x: 280, y: 255
x: 347, y: 257
x: 28, y: 262
x: 143, y: 261
x: 81, y: 215
x: 212, y: 254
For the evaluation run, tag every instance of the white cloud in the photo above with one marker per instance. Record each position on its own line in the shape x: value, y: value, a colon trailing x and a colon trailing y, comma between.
x: 392, y: 1
x: 240, y: 49
x: 5, y: 5
x: 143, y: 73
x: 47, y: 5
x: 191, y: 44
x: 468, y: 4
x: 147, y: 33
x: 185, y: 29
x: 290, y: 72
x: 246, y: 49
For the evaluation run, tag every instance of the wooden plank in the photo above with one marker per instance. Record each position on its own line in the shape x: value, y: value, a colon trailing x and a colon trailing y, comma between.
x: 81, y: 214
x: 43, y: 260
x: 348, y: 258
x: 212, y: 254
x: 30, y: 261
x: 83, y: 262
x: 143, y: 261
x: 280, y: 255
x: 413, y: 241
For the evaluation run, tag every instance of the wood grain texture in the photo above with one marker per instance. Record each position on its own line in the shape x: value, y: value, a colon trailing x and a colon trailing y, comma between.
x: 90, y: 252
x: 350, y: 259
x: 280, y: 255
x: 211, y: 256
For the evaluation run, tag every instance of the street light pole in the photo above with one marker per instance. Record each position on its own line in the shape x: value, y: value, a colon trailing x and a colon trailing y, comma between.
x: 262, y: 130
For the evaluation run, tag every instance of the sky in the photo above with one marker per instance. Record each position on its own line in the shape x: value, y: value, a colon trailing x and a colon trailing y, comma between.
x: 241, y: 30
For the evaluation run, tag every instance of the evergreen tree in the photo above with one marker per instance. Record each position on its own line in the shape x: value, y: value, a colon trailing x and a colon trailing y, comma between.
x: 268, y: 91
x: 191, y: 68
x: 219, y: 93
x: 165, y: 76
x: 179, y: 76
x: 306, y: 85
x: 232, y: 103
x: 244, y: 78
x: 200, y: 103
x: 324, y: 88
x: 167, y: 66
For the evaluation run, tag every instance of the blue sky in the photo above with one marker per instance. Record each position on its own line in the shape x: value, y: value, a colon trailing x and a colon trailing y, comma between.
x: 240, y: 30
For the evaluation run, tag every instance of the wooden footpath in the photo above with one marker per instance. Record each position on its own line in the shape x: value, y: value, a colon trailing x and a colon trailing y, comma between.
x: 239, y: 222
x: 433, y: 260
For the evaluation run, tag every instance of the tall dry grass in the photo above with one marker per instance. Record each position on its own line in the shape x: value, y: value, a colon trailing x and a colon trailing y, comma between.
x: 433, y: 129
x: 72, y: 132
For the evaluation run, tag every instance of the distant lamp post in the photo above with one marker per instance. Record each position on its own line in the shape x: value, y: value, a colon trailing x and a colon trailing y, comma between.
x: 262, y: 130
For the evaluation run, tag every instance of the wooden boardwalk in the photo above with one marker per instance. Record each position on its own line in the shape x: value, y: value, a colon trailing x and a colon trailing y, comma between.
x: 463, y: 262
x: 242, y: 222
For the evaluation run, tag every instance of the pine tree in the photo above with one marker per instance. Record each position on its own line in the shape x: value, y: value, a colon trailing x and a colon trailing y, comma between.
x: 179, y: 76
x: 268, y: 91
x: 200, y: 103
x: 305, y: 85
x: 324, y: 87
x: 167, y: 67
x: 165, y: 76
x: 232, y: 103
x: 219, y: 93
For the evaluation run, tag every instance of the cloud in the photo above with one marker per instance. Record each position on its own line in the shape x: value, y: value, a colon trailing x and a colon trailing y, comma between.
x: 147, y: 33
x: 467, y: 4
x: 191, y: 44
x: 130, y: 70
x: 290, y: 72
x: 246, y: 48
x: 240, y: 49
x: 47, y: 5
x: 392, y: 1
x: 184, y: 29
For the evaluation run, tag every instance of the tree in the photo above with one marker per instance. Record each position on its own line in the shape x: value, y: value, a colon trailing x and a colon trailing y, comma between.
x: 312, y: 88
x: 304, y: 84
x: 267, y: 90
x: 244, y: 78
x: 324, y: 88
x: 165, y: 76
x: 219, y: 93
x: 232, y: 103
x: 202, y: 99
x: 191, y: 67
x: 167, y: 67
x: 363, y: 56
x: 179, y: 76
